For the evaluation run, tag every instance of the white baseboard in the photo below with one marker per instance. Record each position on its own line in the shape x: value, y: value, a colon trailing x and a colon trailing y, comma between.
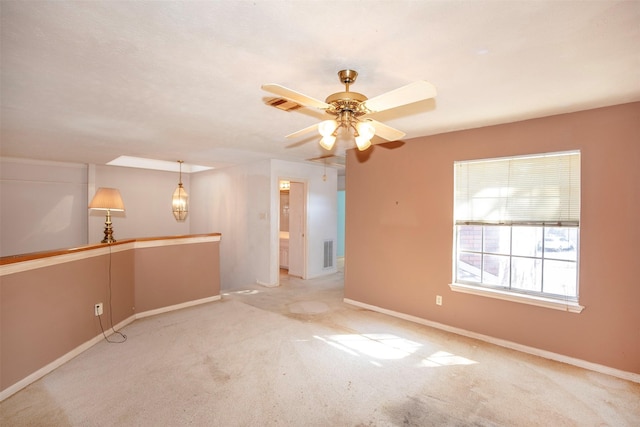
x: 61, y: 360
x: 267, y: 285
x: 12, y: 389
x: 630, y: 376
x: 176, y: 307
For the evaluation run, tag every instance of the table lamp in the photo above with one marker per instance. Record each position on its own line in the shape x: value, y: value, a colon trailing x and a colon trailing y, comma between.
x: 107, y: 199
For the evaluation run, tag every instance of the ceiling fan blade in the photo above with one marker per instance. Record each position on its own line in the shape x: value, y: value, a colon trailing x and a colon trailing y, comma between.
x: 302, y: 131
x: 386, y: 132
x: 294, y: 96
x: 299, y: 143
x: 414, y: 92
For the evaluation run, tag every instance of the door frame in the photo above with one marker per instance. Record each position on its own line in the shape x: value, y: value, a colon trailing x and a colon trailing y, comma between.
x: 305, y: 201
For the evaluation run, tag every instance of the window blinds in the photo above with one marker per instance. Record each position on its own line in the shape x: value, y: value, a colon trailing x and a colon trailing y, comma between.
x: 537, y: 190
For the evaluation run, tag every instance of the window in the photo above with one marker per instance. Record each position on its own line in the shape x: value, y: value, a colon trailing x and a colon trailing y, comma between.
x: 517, y: 228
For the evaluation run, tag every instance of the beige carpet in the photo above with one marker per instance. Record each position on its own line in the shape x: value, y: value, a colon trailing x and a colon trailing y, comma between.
x: 298, y: 356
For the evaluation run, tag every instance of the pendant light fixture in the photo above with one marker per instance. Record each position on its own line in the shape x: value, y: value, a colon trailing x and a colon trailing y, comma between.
x: 180, y: 201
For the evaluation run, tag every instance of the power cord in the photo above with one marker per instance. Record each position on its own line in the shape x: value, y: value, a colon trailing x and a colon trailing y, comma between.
x: 123, y: 337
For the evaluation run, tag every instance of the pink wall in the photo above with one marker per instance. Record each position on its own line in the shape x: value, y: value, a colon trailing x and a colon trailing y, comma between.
x: 399, y: 233
x: 47, y: 312
x: 176, y: 274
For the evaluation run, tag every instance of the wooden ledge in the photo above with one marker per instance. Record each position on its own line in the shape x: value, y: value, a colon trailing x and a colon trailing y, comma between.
x: 12, y: 259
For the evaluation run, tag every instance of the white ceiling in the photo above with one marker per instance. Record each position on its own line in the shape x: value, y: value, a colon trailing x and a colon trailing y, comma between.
x: 90, y: 81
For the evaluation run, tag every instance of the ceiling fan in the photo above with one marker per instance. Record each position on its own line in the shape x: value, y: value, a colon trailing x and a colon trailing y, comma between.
x: 351, y: 110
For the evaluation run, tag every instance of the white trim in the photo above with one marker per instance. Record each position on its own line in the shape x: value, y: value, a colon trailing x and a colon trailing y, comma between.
x: 160, y: 165
x: 520, y: 156
x: 33, y: 264
x: 176, y: 307
x: 267, y: 285
x: 179, y: 241
x: 93, y: 341
x: 556, y: 304
x: 60, y: 361
x: 630, y: 376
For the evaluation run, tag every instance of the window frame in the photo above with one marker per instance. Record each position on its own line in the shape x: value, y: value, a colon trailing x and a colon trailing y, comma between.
x: 569, y: 303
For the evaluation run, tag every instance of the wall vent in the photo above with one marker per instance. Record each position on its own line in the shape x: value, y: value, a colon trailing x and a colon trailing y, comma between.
x: 328, y: 254
x: 283, y: 104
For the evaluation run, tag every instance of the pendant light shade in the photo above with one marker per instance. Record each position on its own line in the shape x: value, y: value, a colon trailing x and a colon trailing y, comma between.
x: 180, y: 200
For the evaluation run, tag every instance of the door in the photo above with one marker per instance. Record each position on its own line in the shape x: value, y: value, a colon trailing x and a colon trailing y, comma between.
x: 297, y: 229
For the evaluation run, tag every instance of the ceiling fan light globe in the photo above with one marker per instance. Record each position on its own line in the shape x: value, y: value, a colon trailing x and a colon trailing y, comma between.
x: 363, y: 143
x: 366, y: 130
x: 365, y: 133
x: 327, y: 142
x: 327, y: 127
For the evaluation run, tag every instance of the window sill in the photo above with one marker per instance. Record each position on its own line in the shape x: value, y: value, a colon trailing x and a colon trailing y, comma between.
x: 556, y: 304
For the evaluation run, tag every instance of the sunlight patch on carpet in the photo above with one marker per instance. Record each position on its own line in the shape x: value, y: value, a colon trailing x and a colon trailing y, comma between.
x: 378, y: 346
x: 442, y: 358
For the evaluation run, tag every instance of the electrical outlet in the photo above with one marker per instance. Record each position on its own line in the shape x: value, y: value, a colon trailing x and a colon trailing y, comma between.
x: 438, y: 300
x: 98, y: 309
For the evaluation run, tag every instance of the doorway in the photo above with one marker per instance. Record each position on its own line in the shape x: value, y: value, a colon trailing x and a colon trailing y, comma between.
x: 293, y: 224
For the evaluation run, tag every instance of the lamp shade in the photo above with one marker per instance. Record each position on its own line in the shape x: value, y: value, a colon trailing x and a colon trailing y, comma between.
x: 107, y: 199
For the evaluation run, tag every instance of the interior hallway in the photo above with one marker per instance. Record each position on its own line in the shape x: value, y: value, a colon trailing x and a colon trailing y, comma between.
x: 296, y: 355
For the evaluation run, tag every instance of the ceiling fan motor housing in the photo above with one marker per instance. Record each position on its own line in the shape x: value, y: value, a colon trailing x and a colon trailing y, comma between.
x: 347, y: 77
x: 352, y: 102
x: 347, y: 101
